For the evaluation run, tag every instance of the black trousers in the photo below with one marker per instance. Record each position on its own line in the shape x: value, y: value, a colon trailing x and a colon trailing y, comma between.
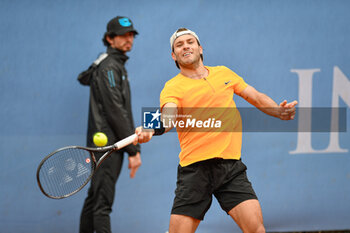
x: 98, y: 204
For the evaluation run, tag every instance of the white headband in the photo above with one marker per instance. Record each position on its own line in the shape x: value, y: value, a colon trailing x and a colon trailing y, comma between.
x: 178, y: 34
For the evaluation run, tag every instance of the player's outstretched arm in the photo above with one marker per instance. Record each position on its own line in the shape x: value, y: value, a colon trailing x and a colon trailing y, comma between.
x: 284, y: 111
x: 169, y: 113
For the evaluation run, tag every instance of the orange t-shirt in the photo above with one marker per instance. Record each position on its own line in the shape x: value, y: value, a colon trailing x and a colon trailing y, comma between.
x: 210, y: 99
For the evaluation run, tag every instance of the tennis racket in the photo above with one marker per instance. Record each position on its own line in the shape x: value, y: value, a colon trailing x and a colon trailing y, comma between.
x: 67, y: 170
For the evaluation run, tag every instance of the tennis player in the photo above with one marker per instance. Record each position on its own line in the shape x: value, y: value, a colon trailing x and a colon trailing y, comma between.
x: 210, y: 162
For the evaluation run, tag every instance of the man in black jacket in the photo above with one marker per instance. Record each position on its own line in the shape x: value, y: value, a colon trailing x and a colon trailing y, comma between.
x: 110, y: 113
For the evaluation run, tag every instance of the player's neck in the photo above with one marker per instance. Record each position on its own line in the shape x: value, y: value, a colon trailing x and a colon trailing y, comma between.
x: 198, y: 72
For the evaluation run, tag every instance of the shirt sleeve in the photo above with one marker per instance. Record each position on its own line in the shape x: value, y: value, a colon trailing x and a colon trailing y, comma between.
x: 170, y: 94
x: 239, y: 84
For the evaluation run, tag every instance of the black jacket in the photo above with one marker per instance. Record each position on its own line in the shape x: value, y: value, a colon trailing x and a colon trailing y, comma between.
x: 110, y: 101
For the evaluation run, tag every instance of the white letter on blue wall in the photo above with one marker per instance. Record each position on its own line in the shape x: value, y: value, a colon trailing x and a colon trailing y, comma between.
x: 341, y: 88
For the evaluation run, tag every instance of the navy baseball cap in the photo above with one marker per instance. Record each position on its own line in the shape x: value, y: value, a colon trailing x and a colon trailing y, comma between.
x: 121, y: 25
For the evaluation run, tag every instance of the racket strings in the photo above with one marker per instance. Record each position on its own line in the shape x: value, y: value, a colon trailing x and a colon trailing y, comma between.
x: 65, y: 172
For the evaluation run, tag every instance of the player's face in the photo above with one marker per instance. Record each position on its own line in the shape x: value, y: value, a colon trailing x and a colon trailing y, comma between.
x: 123, y: 42
x: 187, y: 51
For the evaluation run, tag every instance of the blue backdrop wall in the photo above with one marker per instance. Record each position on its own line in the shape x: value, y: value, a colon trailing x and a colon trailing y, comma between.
x: 287, y: 49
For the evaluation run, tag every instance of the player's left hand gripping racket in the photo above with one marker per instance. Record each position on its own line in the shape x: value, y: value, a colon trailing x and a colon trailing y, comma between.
x: 67, y: 170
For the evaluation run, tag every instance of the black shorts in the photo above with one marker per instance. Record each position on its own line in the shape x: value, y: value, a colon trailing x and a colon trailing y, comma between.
x: 196, y: 183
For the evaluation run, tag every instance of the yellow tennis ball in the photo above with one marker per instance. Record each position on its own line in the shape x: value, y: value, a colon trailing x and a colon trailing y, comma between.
x: 100, y: 139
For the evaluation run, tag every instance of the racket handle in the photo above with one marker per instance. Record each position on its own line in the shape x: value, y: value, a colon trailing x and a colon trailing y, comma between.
x: 126, y: 141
